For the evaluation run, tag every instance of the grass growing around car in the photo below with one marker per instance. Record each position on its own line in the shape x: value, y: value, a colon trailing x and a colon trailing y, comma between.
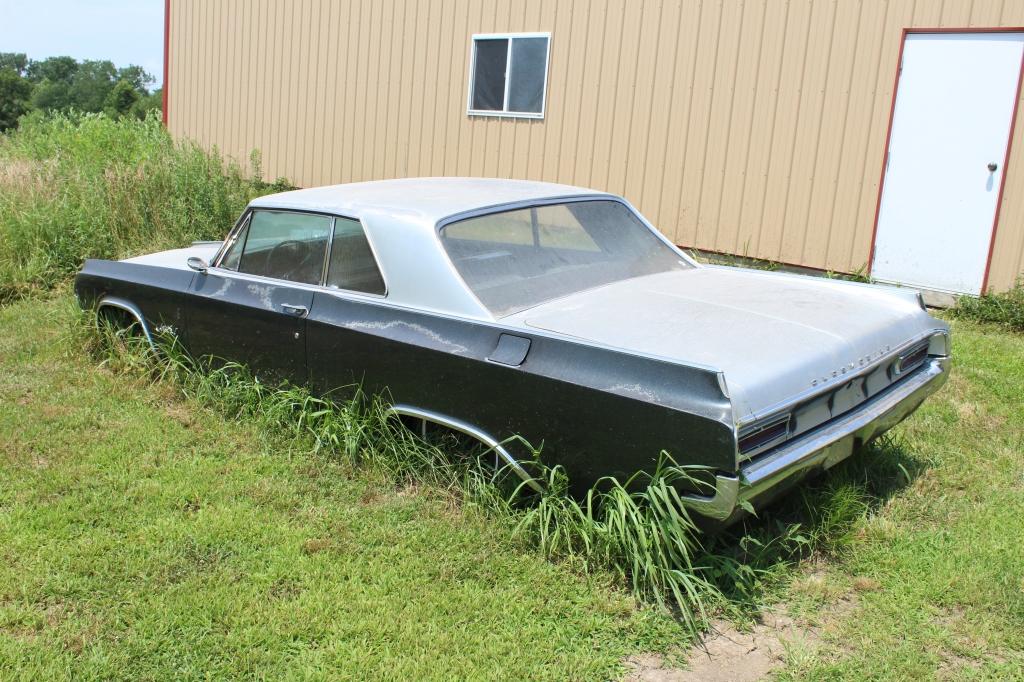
x: 144, y: 536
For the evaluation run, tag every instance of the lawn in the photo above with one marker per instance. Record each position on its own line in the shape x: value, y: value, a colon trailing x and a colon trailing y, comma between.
x: 933, y: 576
x: 146, y: 537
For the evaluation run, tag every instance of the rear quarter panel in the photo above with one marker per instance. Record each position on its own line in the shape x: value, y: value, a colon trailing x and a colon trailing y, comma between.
x: 596, y: 411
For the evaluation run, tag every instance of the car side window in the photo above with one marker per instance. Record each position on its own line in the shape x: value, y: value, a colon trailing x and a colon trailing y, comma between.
x: 234, y: 251
x: 353, y: 266
x: 284, y: 245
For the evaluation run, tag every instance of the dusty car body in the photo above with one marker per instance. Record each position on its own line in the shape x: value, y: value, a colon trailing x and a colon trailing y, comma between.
x: 498, y: 307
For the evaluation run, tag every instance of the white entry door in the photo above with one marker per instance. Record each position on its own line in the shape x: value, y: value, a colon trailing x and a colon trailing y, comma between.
x: 951, y: 125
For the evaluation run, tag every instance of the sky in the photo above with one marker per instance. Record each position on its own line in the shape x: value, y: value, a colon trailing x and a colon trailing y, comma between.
x: 123, y: 31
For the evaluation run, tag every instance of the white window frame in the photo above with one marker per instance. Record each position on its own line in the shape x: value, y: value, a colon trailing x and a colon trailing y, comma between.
x: 505, y: 113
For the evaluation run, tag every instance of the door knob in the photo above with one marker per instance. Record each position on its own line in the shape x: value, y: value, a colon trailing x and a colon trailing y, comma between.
x: 992, y: 167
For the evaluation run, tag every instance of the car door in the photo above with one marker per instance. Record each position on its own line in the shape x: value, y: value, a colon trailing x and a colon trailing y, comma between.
x: 251, y: 306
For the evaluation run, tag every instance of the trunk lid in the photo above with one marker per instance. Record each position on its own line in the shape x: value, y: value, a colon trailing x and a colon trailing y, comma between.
x: 775, y: 336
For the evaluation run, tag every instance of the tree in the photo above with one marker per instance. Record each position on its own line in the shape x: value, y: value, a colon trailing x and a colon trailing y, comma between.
x: 120, y: 100
x: 137, y: 76
x: 50, y: 95
x: 92, y: 82
x: 14, y: 97
x: 14, y: 60
x: 62, y: 83
x: 154, y: 101
x: 54, y: 69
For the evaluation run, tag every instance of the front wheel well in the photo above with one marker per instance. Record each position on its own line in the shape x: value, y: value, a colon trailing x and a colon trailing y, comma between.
x: 122, y: 315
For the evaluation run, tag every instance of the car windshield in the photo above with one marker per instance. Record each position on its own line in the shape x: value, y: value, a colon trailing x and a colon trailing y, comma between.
x: 514, y: 260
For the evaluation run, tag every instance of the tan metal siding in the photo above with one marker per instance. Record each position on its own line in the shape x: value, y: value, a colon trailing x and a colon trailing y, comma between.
x: 754, y: 127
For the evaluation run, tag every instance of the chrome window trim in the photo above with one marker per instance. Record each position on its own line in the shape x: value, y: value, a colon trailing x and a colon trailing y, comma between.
x: 229, y: 240
x: 322, y: 285
x: 260, y: 279
x: 327, y: 252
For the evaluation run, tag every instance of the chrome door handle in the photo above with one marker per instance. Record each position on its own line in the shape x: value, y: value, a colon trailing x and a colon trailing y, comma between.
x: 296, y: 310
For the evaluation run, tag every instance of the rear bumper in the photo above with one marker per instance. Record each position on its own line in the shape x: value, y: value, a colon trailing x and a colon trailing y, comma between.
x: 822, y: 448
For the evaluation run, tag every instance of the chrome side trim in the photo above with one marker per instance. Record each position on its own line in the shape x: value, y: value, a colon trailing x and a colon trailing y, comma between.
x: 471, y: 431
x: 824, y: 447
x: 131, y: 309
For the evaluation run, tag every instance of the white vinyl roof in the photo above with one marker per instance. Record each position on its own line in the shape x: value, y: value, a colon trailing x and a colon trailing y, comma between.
x: 421, y: 200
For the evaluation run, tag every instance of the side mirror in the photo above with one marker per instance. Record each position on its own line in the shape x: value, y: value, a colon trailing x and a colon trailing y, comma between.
x: 197, y: 264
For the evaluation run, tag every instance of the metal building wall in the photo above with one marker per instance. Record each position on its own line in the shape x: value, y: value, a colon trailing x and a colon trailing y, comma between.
x: 752, y: 127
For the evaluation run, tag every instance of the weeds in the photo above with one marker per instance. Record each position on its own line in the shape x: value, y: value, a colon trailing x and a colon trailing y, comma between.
x: 1005, y: 309
x: 74, y: 186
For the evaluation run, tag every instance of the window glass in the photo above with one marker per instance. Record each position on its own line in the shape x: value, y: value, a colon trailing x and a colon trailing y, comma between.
x: 234, y: 252
x: 515, y: 260
x: 526, y: 80
x: 509, y: 74
x: 352, y: 265
x: 489, y: 75
x: 286, y: 245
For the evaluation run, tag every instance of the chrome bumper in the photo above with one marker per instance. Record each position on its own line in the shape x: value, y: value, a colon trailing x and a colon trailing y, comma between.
x: 821, y: 448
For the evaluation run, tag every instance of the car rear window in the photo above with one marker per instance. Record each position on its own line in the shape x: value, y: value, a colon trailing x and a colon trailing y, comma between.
x: 514, y: 260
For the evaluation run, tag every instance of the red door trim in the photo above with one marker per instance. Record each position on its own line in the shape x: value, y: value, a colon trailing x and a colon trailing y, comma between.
x: 1002, y: 179
x: 888, y: 136
x: 885, y: 152
x: 167, y: 44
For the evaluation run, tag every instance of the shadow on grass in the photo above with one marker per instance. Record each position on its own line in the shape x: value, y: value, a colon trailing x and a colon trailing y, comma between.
x: 818, y: 517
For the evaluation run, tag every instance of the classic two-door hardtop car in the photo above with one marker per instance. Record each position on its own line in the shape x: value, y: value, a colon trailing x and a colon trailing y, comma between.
x: 500, y: 308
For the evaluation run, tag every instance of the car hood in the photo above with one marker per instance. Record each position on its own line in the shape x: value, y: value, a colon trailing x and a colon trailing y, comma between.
x: 775, y: 336
x: 177, y: 258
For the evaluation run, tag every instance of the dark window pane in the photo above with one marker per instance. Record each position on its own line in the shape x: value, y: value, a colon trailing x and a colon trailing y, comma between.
x: 526, y: 80
x: 285, y: 245
x: 353, y: 266
x: 489, y: 75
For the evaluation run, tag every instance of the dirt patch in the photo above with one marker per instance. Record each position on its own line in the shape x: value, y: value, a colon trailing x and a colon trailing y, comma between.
x: 730, y: 655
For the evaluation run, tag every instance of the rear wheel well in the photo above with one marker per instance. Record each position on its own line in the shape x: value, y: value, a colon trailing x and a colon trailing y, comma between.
x: 417, y: 419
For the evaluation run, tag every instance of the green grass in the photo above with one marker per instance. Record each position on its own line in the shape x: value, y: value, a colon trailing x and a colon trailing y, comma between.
x: 1005, y: 309
x: 144, y: 536
x: 933, y: 571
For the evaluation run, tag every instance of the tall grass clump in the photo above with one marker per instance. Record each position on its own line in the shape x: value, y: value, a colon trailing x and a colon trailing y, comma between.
x: 76, y: 186
x: 1005, y: 309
